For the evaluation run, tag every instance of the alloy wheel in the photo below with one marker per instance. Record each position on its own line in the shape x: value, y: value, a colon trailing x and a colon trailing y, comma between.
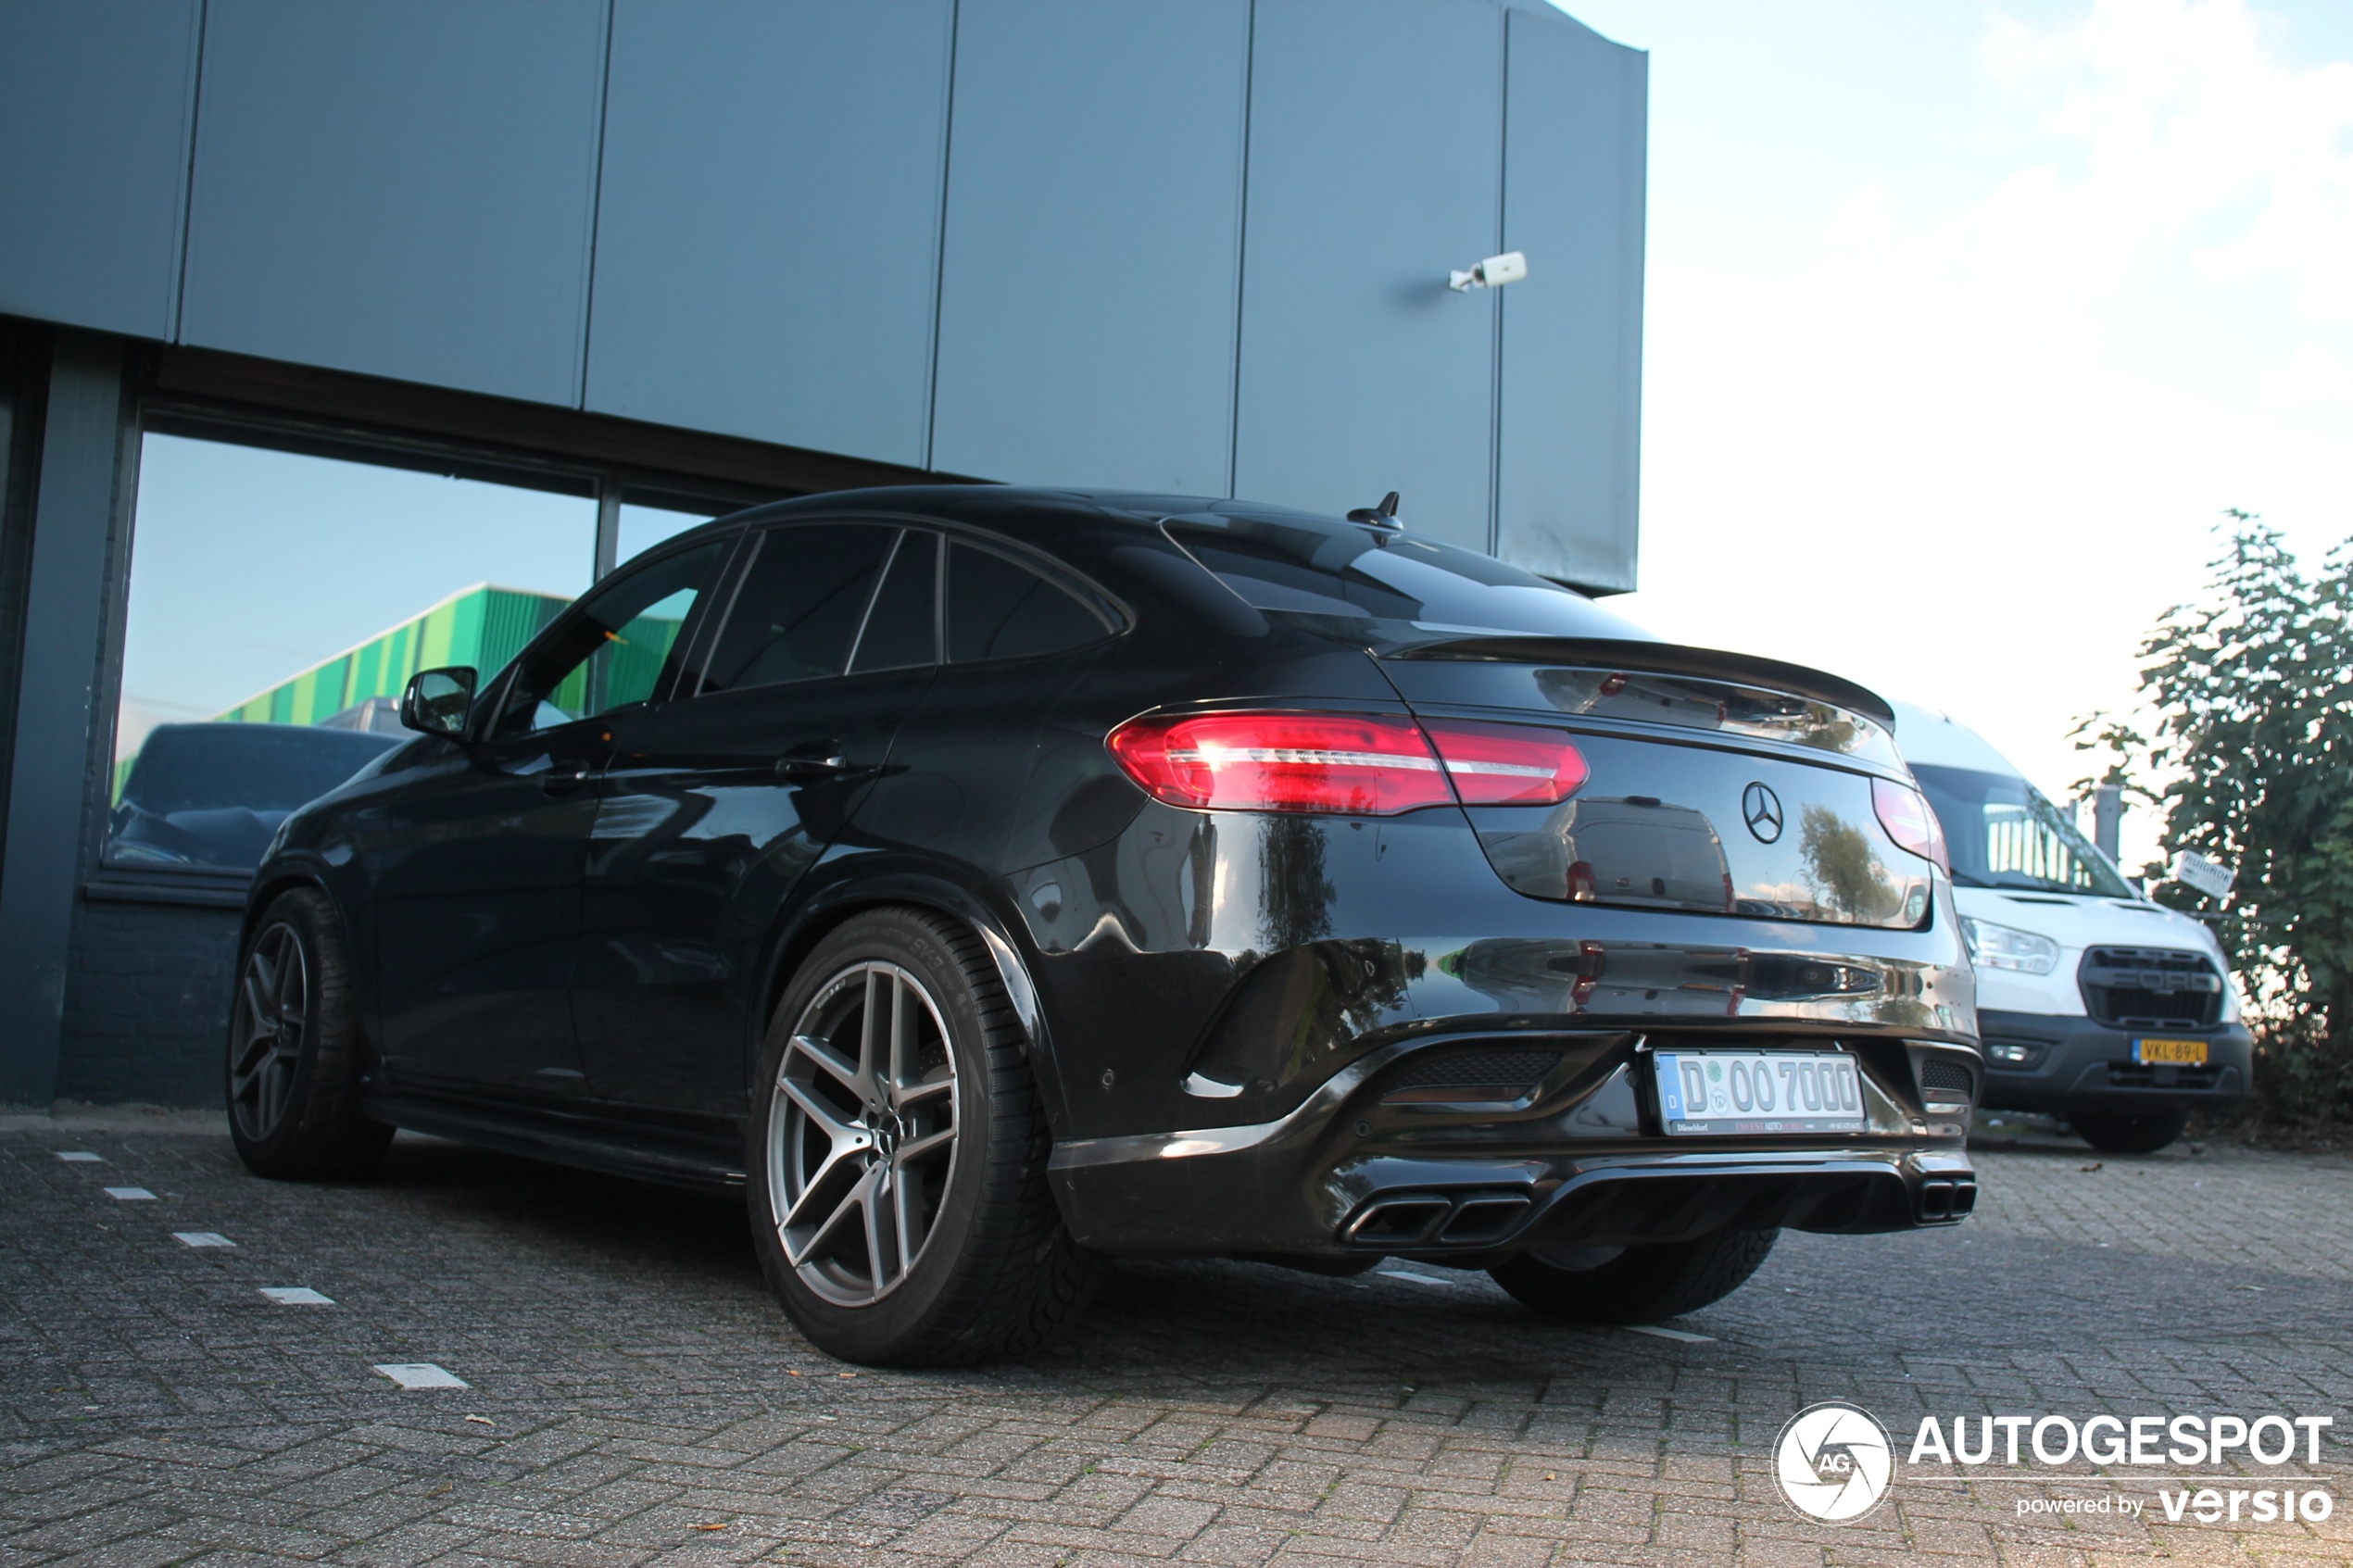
x: 265, y: 1044
x: 862, y: 1135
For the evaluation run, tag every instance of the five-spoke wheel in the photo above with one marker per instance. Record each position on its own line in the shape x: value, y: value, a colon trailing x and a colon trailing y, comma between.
x: 862, y: 1140
x: 295, y: 1070
x: 897, y: 1158
x: 272, y: 1008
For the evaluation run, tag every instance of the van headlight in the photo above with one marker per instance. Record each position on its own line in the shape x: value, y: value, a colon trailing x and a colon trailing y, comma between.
x: 2006, y: 947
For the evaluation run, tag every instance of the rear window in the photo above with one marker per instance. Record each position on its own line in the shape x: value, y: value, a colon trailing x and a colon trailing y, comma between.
x: 1368, y: 574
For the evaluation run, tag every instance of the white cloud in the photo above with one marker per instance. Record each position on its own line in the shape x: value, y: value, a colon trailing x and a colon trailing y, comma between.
x: 2182, y: 108
x: 1970, y: 455
x: 2311, y: 374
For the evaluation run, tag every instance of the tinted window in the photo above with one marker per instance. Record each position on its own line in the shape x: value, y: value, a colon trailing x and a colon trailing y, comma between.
x: 617, y: 647
x: 1362, y: 573
x: 998, y: 609
x: 902, y: 627
x: 801, y: 604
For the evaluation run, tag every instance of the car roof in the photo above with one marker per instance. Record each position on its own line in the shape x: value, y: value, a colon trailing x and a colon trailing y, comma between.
x: 1034, y: 514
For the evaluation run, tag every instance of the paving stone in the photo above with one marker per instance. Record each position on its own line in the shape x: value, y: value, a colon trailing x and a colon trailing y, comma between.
x: 633, y: 1383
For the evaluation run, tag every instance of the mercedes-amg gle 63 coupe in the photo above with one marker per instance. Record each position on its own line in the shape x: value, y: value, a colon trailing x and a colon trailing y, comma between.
x: 988, y: 884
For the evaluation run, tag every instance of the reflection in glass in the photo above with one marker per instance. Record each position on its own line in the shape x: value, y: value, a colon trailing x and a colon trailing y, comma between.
x: 1306, y: 566
x: 300, y: 593
x: 644, y: 527
x: 1842, y: 870
x: 1690, y: 702
x: 210, y: 797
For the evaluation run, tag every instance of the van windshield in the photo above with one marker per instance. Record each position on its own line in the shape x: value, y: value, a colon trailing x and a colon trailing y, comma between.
x: 2002, y: 832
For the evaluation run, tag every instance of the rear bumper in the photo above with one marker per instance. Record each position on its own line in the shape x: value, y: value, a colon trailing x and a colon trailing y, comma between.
x: 1579, y: 1162
x: 2080, y: 1064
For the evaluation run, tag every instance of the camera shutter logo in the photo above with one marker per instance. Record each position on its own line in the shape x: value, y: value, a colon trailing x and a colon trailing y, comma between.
x: 1761, y: 809
x: 1833, y: 1461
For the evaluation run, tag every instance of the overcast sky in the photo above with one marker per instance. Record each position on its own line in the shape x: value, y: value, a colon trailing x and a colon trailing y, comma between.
x: 1966, y: 320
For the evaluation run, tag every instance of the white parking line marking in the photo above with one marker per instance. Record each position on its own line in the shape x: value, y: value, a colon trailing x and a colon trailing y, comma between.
x: 1419, y: 1279
x: 420, y: 1374
x: 296, y: 1295
x: 201, y: 1239
x: 1680, y: 1334
x: 79, y: 1156
x: 131, y: 1194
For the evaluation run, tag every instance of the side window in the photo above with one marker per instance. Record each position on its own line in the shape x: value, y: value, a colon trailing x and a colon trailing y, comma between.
x: 799, y: 605
x: 903, y: 629
x: 999, y: 609
x: 618, y: 646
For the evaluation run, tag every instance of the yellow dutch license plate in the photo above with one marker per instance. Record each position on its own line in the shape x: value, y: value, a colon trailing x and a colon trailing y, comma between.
x: 2169, y: 1053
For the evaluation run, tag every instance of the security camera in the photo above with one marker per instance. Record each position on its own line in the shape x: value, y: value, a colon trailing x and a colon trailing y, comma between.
x: 1492, y: 273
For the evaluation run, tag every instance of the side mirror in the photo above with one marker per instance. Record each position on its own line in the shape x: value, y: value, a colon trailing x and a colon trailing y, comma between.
x: 438, y: 700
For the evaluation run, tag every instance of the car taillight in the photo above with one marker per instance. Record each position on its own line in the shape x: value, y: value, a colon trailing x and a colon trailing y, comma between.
x: 1507, y: 764
x: 1356, y: 764
x: 1910, y: 820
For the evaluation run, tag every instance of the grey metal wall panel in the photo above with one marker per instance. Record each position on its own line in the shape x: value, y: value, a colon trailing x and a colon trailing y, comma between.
x: 399, y: 187
x: 769, y: 227
x: 1094, y: 210
x: 95, y: 99
x: 1569, y: 438
x: 1374, y: 157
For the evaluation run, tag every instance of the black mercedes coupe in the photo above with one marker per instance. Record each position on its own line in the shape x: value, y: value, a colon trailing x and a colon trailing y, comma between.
x: 991, y: 882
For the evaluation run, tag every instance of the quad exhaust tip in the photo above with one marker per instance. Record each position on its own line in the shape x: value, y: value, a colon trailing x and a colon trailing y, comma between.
x: 1948, y: 1198
x: 1478, y: 1219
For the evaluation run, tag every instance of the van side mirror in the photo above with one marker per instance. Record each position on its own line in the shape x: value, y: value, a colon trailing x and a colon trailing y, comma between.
x: 437, y: 701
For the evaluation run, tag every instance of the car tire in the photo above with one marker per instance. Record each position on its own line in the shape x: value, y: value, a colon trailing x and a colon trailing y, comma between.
x: 1635, y: 1284
x: 897, y: 1196
x: 293, y: 1061
x: 2127, y: 1132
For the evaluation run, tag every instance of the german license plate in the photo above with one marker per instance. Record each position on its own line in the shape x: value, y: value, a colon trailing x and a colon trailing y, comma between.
x: 2169, y: 1053
x: 1724, y: 1093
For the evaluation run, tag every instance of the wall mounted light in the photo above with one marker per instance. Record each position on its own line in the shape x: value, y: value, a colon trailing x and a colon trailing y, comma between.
x: 1492, y: 273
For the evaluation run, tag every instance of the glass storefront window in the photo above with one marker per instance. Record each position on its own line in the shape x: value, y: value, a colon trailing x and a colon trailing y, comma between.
x: 278, y: 605
x: 644, y: 527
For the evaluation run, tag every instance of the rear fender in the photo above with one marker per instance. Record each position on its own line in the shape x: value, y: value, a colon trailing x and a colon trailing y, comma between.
x: 830, y: 907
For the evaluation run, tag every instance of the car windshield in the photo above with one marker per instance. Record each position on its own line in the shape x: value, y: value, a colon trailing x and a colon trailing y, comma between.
x: 1393, y: 585
x: 2002, y: 832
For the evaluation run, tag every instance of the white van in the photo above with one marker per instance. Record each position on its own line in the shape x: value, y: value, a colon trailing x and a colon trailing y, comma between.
x: 2094, y: 1003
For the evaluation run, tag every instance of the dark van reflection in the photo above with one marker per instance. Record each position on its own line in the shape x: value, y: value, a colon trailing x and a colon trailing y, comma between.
x: 210, y: 796
x: 1632, y: 849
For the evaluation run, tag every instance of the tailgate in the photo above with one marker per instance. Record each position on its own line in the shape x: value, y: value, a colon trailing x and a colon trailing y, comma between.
x: 1707, y: 795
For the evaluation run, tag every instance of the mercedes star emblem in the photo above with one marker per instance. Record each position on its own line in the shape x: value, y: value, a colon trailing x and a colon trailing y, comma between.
x: 1761, y: 809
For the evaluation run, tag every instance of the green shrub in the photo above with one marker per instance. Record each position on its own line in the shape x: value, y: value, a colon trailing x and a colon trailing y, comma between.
x: 2250, y: 761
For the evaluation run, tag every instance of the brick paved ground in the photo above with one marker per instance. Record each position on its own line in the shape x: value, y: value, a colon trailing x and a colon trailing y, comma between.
x: 636, y: 1396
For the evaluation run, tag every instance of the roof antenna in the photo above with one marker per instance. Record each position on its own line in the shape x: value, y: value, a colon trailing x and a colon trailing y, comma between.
x: 1384, y: 515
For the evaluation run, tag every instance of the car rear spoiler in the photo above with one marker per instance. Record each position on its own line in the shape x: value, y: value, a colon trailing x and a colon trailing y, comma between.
x: 1657, y: 658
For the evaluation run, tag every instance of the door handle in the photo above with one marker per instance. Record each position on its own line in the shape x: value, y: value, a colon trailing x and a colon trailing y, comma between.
x: 564, y: 777
x: 823, y: 761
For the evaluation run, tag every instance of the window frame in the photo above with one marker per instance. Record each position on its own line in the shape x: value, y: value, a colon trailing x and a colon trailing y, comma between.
x: 1111, y: 612
x: 1107, y: 612
x: 752, y: 539
x: 495, y: 693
